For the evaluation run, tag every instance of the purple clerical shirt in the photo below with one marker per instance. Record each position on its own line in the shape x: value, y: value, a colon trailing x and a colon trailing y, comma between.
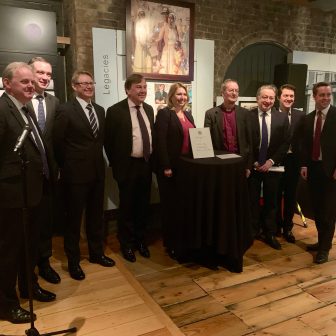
x: 230, y: 130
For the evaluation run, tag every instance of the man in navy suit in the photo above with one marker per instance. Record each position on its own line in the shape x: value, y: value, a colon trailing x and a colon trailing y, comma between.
x: 319, y: 167
x: 290, y: 178
x: 18, y: 81
x: 44, y: 105
x: 78, y: 141
x: 269, y: 147
x: 128, y: 146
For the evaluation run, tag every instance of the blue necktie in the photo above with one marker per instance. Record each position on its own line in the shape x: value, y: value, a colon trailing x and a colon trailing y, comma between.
x: 264, y: 141
x: 40, y: 113
x: 38, y: 142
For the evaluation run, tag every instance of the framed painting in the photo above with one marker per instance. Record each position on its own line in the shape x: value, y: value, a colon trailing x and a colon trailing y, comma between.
x: 160, y: 39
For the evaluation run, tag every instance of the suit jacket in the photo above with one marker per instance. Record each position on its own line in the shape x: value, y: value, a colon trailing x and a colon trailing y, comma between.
x: 78, y: 153
x: 328, y: 141
x: 168, y: 137
x: 11, y: 126
x: 296, y: 132
x: 279, y: 140
x: 214, y: 120
x: 52, y: 103
x: 118, y: 137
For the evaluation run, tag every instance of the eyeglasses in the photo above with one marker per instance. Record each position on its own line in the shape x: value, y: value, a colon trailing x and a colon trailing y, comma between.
x: 85, y: 84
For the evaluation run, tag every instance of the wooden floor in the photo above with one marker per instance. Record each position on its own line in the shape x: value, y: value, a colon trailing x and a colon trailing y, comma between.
x: 278, y: 293
x: 108, y: 302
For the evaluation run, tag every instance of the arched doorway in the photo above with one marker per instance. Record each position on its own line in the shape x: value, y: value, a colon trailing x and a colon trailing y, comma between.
x: 254, y: 66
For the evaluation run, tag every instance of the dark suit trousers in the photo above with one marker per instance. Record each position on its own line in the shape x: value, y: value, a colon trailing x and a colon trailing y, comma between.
x: 323, y: 194
x: 84, y: 198
x: 287, y: 190
x: 264, y: 217
x: 12, y: 254
x: 134, y: 196
x: 44, y: 220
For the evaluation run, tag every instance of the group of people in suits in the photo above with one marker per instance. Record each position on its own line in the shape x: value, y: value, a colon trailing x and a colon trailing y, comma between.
x: 267, y: 137
x: 66, y: 143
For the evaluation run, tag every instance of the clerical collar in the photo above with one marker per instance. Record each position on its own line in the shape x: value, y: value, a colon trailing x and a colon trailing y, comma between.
x: 224, y: 109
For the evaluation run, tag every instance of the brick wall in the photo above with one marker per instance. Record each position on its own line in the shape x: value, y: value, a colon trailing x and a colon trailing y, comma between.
x: 232, y: 24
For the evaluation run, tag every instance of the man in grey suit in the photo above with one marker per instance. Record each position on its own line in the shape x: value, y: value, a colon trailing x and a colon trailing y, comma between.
x: 229, y: 124
x: 128, y: 146
x: 43, y: 105
x: 319, y: 167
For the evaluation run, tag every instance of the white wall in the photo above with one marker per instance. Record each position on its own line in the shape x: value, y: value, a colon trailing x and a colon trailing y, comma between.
x: 314, y: 60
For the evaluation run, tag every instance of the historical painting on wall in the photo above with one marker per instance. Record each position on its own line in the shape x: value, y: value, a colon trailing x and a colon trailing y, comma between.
x: 159, y: 39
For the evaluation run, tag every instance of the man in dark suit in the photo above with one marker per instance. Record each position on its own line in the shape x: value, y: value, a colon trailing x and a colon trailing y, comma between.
x: 269, y: 146
x: 290, y: 178
x: 229, y: 124
x: 319, y: 167
x: 43, y: 105
x: 18, y: 81
x: 78, y: 141
x: 128, y: 146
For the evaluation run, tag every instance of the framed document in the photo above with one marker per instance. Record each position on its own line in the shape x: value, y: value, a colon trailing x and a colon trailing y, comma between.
x: 201, y: 143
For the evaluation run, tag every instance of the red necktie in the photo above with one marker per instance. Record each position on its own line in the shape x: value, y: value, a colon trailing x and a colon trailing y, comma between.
x: 317, y: 137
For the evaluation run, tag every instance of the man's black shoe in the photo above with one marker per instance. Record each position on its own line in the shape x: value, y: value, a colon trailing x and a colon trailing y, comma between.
x: 49, y: 274
x: 16, y: 315
x: 273, y: 242
x: 40, y: 294
x: 312, y: 247
x: 76, y: 271
x: 102, y: 260
x: 128, y: 254
x: 288, y: 235
x: 143, y: 250
x: 321, y: 257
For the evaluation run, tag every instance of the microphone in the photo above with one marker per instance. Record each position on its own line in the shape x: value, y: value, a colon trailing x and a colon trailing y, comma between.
x: 21, y: 139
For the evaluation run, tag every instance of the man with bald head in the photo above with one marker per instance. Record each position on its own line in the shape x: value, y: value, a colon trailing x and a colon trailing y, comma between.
x: 18, y: 81
x: 269, y: 147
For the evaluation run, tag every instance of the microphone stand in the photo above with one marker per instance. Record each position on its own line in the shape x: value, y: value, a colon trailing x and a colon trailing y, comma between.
x: 32, y: 331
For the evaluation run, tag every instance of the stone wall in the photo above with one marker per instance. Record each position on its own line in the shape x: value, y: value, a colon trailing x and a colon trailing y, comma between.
x: 232, y: 24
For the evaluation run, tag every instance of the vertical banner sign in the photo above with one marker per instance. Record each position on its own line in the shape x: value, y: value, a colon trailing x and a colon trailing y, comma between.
x: 105, y: 66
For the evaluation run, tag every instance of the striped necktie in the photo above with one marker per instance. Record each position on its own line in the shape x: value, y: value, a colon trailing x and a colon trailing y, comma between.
x: 93, y: 121
x: 40, y: 113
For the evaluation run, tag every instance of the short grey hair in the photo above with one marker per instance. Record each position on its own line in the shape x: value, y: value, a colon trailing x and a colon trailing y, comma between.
x: 224, y: 84
x: 12, y: 67
x: 267, y: 87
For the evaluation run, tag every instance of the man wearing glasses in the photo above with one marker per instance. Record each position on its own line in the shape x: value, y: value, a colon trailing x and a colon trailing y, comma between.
x: 78, y: 141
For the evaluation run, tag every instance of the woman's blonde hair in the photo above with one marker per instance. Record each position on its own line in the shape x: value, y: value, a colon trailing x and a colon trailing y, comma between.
x: 171, y: 94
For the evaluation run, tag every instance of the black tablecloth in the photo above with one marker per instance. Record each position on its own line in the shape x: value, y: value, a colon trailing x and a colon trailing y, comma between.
x: 213, y: 211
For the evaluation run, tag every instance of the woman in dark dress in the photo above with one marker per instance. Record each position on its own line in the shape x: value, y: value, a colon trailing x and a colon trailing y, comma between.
x: 172, y: 140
